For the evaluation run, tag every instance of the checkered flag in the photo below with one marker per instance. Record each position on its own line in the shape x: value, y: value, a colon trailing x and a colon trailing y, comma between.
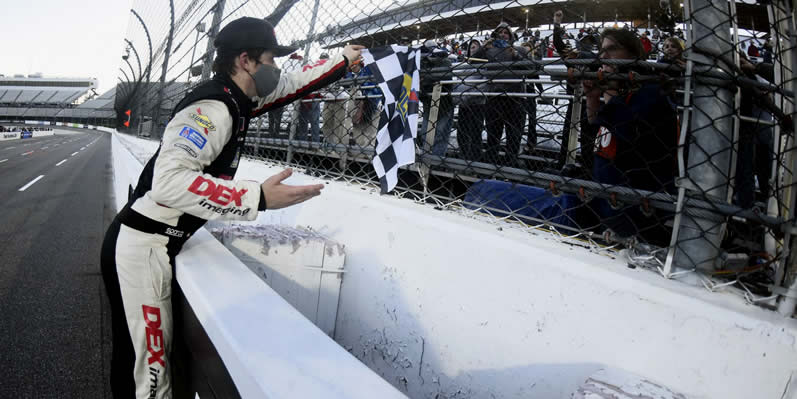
x: 395, y: 69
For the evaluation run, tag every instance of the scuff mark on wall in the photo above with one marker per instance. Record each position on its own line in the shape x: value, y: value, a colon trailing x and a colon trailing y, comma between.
x: 268, y: 235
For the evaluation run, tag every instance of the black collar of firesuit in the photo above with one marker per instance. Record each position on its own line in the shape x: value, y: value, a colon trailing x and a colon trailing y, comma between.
x: 245, y: 104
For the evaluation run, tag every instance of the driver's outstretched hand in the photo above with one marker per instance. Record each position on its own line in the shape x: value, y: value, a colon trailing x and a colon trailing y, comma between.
x: 352, y: 52
x: 280, y: 195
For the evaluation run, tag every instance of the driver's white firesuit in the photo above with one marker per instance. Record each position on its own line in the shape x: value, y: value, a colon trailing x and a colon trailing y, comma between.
x: 188, y: 181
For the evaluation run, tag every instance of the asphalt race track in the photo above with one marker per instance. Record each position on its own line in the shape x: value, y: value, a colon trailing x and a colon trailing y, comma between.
x: 54, y: 330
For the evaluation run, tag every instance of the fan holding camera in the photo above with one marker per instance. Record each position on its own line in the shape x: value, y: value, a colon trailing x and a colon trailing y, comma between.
x: 635, y: 130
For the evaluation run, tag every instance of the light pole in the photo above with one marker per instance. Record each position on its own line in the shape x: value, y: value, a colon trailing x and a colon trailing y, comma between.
x: 207, y: 58
x: 527, y: 18
x: 149, y: 41
x: 132, y: 72
x: 312, y: 31
x: 156, y: 119
x: 130, y: 46
x: 125, y: 75
x: 148, y: 70
x: 200, y: 27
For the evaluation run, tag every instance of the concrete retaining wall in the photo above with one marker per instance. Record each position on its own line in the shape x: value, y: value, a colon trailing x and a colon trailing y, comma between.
x: 444, y: 305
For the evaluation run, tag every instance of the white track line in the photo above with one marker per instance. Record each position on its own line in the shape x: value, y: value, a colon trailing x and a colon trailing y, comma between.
x: 73, y: 154
x: 3, y: 160
x: 26, y: 153
x: 25, y: 187
x: 59, y: 163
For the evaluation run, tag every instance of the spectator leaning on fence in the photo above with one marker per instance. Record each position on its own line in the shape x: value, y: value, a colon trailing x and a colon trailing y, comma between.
x: 586, y: 141
x: 433, y: 56
x: 635, y: 134
x: 275, y: 115
x: 766, y: 51
x: 365, y: 112
x: 470, y: 118
x: 503, y: 111
x: 752, y: 50
x: 530, y: 103
x: 755, y: 146
x: 647, y: 46
x: 310, y: 112
x: 673, y: 52
x: 188, y: 181
x: 672, y: 55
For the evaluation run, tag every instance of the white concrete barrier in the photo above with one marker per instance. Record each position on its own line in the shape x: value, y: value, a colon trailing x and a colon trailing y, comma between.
x: 16, y: 135
x: 269, y: 349
x: 440, y: 303
x: 458, y: 305
x: 9, y: 136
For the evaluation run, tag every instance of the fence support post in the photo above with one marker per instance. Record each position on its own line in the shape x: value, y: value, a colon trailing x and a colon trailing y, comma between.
x: 259, y: 134
x: 785, y: 15
x: 575, y: 123
x: 292, y: 130
x: 431, y: 128
x: 349, y: 106
x: 711, y: 141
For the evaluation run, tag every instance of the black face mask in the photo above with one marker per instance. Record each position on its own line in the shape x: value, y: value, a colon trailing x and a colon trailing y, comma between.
x: 266, y: 79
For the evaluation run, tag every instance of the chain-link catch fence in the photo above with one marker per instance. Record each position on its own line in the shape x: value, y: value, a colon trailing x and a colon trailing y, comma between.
x: 662, y: 129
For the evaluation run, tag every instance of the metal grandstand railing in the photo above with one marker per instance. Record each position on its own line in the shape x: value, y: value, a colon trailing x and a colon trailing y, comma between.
x: 686, y: 164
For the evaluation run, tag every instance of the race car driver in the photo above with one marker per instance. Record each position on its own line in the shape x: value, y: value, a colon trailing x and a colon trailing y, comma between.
x: 188, y: 181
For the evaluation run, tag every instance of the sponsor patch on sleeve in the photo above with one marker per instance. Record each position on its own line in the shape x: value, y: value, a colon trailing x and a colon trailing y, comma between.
x: 187, y: 149
x: 193, y: 136
x: 202, y: 120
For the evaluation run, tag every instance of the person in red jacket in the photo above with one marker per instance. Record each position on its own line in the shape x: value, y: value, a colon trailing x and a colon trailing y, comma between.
x: 752, y: 51
x: 646, y: 44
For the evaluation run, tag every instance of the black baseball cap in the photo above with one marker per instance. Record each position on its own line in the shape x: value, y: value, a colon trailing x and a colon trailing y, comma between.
x: 249, y: 33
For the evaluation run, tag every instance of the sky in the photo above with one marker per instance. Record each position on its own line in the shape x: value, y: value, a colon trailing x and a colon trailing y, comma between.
x: 85, y: 38
x: 81, y: 39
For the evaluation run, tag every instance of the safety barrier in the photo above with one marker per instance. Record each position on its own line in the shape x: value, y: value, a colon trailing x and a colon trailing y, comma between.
x: 443, y: 302
x: 24, y: 134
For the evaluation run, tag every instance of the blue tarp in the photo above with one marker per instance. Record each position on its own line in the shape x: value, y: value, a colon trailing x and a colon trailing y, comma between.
x: 519, y: 199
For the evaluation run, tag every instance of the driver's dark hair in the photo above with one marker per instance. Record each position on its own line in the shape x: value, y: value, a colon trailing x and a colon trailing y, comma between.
x: 225, y: 59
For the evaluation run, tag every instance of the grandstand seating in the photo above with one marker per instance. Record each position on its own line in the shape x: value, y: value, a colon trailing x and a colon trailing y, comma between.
x: 27, y: 96
x: 104, y: 101
x: 44, y: 97
x: 10, y: 96
x: 58, y: 92
x: 53, y: 99
x: 41, y: 96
